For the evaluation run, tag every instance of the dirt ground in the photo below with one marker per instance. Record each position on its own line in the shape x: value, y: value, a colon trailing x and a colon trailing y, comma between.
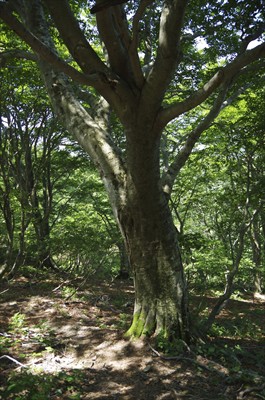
x: 60, y: 343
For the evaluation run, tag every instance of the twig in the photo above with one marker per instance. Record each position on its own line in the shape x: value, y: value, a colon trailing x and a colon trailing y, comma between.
x: 14, y: 360
x: 166, y: 358
x: 58, y: 287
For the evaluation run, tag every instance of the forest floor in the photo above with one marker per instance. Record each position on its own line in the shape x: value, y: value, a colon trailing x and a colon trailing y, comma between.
x: 63, y: 340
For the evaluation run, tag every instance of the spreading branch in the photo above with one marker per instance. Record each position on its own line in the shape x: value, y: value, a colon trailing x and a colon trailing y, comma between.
x: 183, y: 155
x: 43, y: 51
x: 224, y: 74
x: 6, y: 56
x: 74, y: 38
x: 102, y: 79
x: 108, y: 83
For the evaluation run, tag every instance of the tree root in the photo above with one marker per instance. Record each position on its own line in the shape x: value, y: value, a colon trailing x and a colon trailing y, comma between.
x: 243, y: 393
x: 207, y: 365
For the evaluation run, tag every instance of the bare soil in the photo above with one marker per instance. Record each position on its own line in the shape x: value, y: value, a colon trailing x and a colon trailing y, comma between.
x: 69, y: 345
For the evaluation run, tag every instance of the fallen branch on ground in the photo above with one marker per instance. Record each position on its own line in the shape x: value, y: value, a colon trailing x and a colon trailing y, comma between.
x: 14, y: 360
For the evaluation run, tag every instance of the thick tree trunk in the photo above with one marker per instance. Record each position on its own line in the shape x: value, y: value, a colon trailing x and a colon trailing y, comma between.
x: 151, y: 241
x: 160, y: 291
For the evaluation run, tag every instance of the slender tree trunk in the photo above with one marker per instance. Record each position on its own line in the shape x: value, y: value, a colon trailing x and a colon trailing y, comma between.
x: 124, y: 272
x: 43, y: 238
x: 6, y: 208
x: 8, y: 217
x: 256, y: 256
x: 257, y: 283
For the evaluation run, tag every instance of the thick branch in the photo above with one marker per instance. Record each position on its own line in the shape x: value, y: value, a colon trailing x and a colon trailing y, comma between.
x: 116, y: 91
x: 168, y: 51
x: 105, y: 4
x: 41, y: 49
x: 112, y: 38
x: 93, y: 139
x: 133, y: 53
x: 74, y: 38
x: 224, y: 74
x: 252, y: 37
x: 136, y: 19
x: 122, y: 24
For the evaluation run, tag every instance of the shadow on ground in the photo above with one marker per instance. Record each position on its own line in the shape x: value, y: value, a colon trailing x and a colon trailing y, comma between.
x: 71, y: 347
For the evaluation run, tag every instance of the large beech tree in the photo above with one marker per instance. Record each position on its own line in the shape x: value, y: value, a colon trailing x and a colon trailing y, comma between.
x: 140, y: 62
